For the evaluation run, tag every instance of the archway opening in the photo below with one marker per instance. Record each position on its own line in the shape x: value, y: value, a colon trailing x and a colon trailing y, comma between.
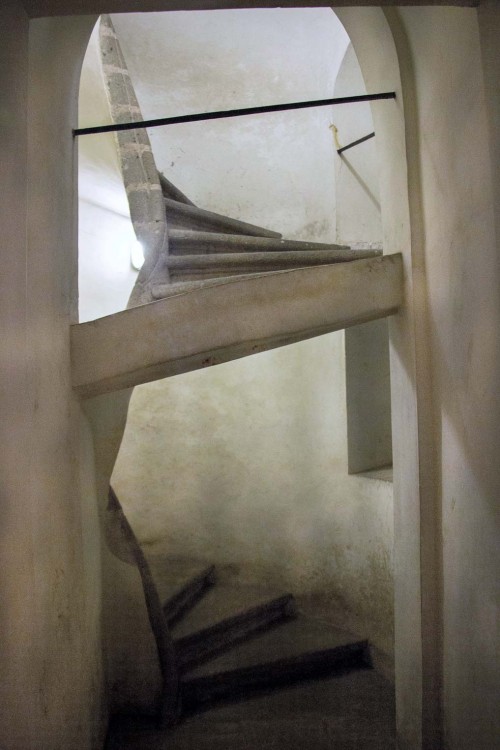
x: 253, y: 456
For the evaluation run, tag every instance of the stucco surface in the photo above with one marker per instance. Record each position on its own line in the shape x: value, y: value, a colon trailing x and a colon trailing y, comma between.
x: 357, y: 193
x: 462, y: 273
x: 50, y: 644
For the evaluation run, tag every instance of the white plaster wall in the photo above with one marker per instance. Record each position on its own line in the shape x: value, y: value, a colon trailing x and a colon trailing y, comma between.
x: 245, y: 464
x: 105, y: 231
x: 357, y: 169
x: 461, y: 259
x: 105, y: 272
x: 50, y: 614
x: 276, y: 170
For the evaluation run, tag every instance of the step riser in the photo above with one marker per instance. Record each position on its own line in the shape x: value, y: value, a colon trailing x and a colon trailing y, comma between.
x: 161, y: 291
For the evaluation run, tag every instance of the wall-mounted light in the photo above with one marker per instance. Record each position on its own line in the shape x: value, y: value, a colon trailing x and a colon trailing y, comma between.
x: 136, y: 255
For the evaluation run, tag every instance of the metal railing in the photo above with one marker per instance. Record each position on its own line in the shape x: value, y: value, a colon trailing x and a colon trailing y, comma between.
x: 116, y: 127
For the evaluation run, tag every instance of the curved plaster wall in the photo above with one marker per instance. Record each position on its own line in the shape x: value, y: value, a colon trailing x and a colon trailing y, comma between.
x: 105, y: 231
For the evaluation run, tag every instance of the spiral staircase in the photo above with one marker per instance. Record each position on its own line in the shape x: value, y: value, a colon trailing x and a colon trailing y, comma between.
x: 214, y: 288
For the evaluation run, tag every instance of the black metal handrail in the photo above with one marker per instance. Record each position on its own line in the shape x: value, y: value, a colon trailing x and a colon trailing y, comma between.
x: 117, y: 127
x: 356, y: 143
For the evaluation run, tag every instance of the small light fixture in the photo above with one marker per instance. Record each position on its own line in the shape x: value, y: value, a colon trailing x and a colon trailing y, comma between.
x: 136, y: 255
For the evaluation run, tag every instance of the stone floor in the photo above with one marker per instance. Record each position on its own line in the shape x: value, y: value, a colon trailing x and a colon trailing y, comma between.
x: 354, y: 711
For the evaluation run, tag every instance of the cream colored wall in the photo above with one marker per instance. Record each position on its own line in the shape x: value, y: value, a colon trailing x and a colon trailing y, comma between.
x: 357, y: 169
x: 50, y: 644
x: 461, y: 258
x: 444, y: 391
x: 245, y: 464
x: 105, y: 232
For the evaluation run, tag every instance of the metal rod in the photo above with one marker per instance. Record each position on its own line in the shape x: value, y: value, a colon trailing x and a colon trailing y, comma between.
x: 356, y: 143
x: 231, y: 113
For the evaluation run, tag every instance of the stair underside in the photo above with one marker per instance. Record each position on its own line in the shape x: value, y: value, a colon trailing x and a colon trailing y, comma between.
x: 183, y: 216
x: 189, y: 242
x: 172, y: 192
x: 198, y: 267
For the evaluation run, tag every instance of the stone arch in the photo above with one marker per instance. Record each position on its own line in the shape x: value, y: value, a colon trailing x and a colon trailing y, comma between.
x: 417, y: 610
x: 385, y: 63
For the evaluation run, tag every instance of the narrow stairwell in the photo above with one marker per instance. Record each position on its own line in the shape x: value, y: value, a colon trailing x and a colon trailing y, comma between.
x: 219, y: 646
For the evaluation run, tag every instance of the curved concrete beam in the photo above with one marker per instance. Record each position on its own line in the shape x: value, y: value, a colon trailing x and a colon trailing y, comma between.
x: 218, y: 323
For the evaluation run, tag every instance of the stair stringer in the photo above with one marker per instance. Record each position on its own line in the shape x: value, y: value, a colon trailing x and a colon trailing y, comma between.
x: 140, y: 175
x: 223, y: 321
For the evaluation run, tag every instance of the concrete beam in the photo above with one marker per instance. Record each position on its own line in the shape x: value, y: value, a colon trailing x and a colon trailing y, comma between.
x: 234, y: 319
x: 38, y: 8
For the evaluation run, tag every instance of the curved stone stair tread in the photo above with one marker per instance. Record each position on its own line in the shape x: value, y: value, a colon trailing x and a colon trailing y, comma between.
x: 198, y: 267
x: 171, y: 191
x: 355, y: 712
x: 183, y: 216
x: 301, y: 635
x: 190, y: 242
x: 220, y: 602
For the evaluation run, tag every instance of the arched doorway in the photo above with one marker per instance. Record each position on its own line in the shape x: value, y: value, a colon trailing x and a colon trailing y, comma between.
x: 61, y: 174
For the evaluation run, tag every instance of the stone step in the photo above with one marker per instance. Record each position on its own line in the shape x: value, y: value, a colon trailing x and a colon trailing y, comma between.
x: 188, y: 242
x: 198, y: 267
x: 171, y: 191
x: 179, y: 604
x: 183, y: 216
x: 205, y: 644
x: 203, y: 692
